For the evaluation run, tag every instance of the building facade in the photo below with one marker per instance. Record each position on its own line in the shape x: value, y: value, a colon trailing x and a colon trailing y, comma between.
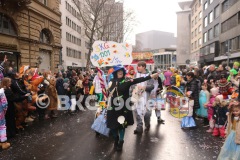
x: 30, y: 34
x: 183, y: 33
x: 230, y: 32
x: 152, y: 40
x: 74, y: 41
x: 165, y: 58
x: 196, y: 31
x: 211, y: 30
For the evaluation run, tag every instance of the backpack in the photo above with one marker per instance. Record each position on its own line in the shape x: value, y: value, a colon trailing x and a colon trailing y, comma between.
x: 173, y: 80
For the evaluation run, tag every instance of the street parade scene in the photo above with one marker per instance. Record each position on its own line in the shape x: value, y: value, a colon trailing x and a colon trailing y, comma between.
x: 119, y: 80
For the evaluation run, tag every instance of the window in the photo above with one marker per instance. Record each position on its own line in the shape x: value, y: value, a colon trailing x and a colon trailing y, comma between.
x: 216, y: 11
x: 192, y: 35
x: 205, y: 5
x: 210, y: 34
x: 230, y: 23
x: 199, y: 28
x: 45, y: 36
x: 6, y: 25
x: 195, y: 44
x: 196, y: 7
x: 210, y: 1
x: 199, y: 42
x: 196, y: 20
x: 216, y: 30
x: 196, y: 32
x: 200, y: 15
x: 205, y: 37
x: 211, y: 17
x: 227, y: 4
x: 205, y: 22
x: 200, y: 2
x: 43, y: 1
x: 192, y: 23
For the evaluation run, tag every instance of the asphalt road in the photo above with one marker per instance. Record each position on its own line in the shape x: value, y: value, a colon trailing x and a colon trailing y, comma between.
x: 69, y: 137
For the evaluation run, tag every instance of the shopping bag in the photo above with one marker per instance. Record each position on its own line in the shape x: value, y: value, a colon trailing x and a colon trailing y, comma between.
x: 160, y: 103
x: 91, y: 90
x: 100, y: 125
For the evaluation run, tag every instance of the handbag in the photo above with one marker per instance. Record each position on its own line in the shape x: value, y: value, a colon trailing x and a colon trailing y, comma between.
x: 91, y: 90
x: 100, y: 125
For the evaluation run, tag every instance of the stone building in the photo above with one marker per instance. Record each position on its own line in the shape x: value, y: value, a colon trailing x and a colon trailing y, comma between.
x: 30, y: 33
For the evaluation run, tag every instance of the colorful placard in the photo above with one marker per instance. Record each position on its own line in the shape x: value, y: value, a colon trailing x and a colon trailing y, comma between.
x: 142, y: 55
x: 111, y: 53
x: 179, y: 104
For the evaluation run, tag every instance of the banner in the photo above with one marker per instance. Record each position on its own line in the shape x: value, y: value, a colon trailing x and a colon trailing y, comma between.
x: 179, y: 104
x: 111, y: 54
x: 142, y: 55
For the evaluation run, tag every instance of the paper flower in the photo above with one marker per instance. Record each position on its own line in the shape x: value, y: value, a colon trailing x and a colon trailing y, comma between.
x: 115, y: 51
x: 100, y: 62
x: 121, y: 119
x: 127, y: 45
x: 114, y: 46
x: 109, y: 59
x: 127, y: 54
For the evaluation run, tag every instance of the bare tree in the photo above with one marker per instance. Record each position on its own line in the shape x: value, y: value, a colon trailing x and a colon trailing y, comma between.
x: 99, y: 18
x: 90, y: 15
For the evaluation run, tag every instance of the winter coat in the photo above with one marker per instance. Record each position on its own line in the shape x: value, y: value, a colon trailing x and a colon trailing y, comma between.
x: 219, y: 114
x: 120, y: 88
x: 212, y: 76
x: 210, y: 107
x: 193, y: 87
x: 59, y: 86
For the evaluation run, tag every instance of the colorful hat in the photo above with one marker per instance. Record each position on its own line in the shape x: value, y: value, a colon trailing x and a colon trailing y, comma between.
x: 236, y: 64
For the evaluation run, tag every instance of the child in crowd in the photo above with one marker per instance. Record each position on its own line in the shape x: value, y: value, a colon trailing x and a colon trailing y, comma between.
x: 204, y: 97
x: 210, y: 110
x: 231, y: 147
x: 219, y: 116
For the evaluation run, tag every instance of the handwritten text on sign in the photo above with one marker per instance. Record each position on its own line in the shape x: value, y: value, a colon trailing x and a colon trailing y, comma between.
x: 111, y: 53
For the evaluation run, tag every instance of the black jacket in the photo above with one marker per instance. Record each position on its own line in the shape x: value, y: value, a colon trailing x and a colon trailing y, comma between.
x: 219, y: 115
x: 193, y: 86
x: 122, y: 90
x: 59, y: 86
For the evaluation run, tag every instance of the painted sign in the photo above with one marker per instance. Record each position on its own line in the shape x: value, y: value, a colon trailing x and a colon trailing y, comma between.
x: 111, y: 54
x: 179, y: 104
x: 142, y: 55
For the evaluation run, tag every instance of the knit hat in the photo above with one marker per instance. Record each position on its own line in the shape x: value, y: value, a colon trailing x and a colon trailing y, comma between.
x: 65, y: 80
x: 236, y: 64
x: 117, y: 68
x: 220, y: 97
x: 214, y: 91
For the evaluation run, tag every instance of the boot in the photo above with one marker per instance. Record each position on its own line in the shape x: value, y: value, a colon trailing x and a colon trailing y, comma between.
x: 116, y: 142
x: 120, y: 145
x: 215, y: 132
x: 5, y: 145
x: 222, y: 132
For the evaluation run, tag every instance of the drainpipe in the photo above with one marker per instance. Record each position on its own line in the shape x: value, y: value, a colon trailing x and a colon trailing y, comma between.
x: 29, y: 38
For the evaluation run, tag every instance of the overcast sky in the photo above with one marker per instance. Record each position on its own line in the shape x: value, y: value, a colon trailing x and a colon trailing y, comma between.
x: 153, y: 15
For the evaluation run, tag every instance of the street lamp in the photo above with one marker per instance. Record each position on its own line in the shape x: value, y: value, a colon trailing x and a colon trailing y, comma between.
x: 228, y: 55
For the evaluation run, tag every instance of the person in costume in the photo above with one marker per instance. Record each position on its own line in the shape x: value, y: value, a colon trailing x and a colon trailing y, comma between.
x: 224, y: 86
x: 131, y: 73
x: 204, y: 97
x: 119, y: 89
x: 143, y: 91
x: 3, y: 109
x: 234, y: 70
x: 209, y: 105
x: 157, y: 88
x: 97, y: 84
x: 231, y: 147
